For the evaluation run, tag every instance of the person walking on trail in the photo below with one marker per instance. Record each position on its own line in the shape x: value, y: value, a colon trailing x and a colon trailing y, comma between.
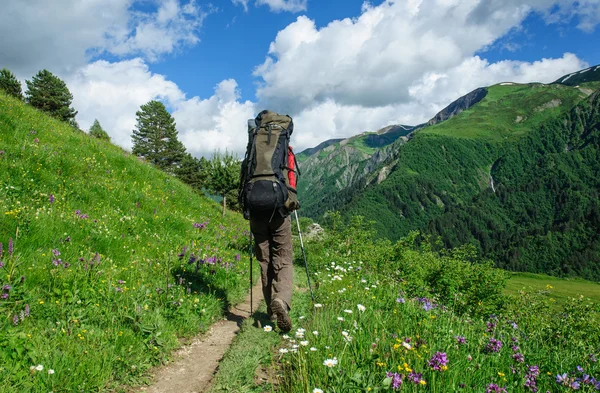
x: 268, y: 196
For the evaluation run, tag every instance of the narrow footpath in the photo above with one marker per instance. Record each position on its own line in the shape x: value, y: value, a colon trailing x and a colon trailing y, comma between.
x: 195, y: 364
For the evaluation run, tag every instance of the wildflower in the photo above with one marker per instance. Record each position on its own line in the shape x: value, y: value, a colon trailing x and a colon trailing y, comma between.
x: 285, y: 337
x: 469, y: 358
x: 340, y: 319
x: 313, y: 349
x: 439, y: 361
x: 56, y: 252
x: 283, y: 350
x: 591, y: 356
x: 580, y: 369
x: 562, y: 379
x: 330, y: 362
x: 574, y: 385
x: 315, y: 333
x: 50, y: 371
x: 299, y: 335
x: 304, y: 343
x: 10, y: 247
x: 461, y: 340
x: 494, y: 345
x: 39, y: 367
x: 318, y: 305
x: 361, y: 308
x: 317, y: 390
x: 268, y: 328
x: 493, y: 388
x: 407, y: 345
x: 415, y: 378
x: 534, y: 370
x: 16, y: 320
x: 518, y: 357
x: 396, y: 379
x: 348, y: 311
x: 490, y: 326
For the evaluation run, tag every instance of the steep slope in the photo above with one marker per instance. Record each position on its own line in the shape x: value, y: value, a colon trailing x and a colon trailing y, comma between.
x: 590, y: 74
x: 337, y: 165
x: 93, y: 287
x: 543, y: 214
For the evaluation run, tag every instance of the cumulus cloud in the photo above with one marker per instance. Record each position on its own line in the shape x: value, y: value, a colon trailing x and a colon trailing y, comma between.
x: 372, y: 60
x: 284, y: 5
x: 63, y: 35
x: 114, y: 92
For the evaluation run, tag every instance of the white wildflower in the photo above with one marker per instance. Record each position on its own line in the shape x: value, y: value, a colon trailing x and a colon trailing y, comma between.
x: 318, y: 305
x: 268, y: 328
x: 317, y: 390
x: 330, y: 362
x: 50, y: 371
x: 340, y: 319
x: 313, y: 349
x: 361, y: 308
x: 406, y: 345
x: 315, y: 333
x: 39, y: 367
x: 283, y: 350
x: 348, y: 311
x: 304, y: 343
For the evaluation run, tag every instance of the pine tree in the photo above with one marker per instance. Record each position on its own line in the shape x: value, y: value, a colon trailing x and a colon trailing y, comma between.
x: 10, y: 84
x: 192, y: 171
x: 51, y: 95
x: 224, y: 175
x: 155, y: 137
x: 97, y: 131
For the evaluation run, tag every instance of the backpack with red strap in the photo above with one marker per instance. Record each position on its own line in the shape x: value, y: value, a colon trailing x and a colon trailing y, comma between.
x: 269, y: 170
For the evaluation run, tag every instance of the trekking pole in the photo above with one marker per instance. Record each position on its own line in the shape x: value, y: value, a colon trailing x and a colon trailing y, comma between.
x: 251, y: 281
x: 304, y: 255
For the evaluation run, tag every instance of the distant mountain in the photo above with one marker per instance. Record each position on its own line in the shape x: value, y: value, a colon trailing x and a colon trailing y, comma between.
x: 414, y: 180
x: 591, y: 74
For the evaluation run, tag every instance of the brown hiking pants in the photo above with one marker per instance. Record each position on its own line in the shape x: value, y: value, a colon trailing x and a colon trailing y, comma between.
x: 273, y: 249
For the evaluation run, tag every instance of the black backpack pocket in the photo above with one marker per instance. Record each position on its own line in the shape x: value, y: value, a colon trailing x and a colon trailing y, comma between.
x: 265, y: 195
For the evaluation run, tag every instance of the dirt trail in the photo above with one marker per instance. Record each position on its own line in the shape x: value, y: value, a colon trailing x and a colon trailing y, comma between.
x: 195, y: 364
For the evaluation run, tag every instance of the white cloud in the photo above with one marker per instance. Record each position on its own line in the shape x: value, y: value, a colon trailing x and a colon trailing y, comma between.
x: 283, y: 5
x: 373, y: 60
x: 114, y: 92
x: 62, y: 35
x: 243, y: 3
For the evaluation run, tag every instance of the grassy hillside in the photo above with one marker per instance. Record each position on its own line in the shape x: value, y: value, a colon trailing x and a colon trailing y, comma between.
x: 509, y: 111
x: 441, y: 181
x: 106, y: 261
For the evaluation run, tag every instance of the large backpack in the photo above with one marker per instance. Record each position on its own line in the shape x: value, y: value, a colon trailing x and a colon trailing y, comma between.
x: 265, y: 186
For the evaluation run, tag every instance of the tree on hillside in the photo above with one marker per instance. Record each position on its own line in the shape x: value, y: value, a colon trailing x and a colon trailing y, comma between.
x: 50, y: 94
x: 10, y: 84
x: 97, y: 131
x: 223, y: 175
x: 193, y: 171
x: 155, y: 137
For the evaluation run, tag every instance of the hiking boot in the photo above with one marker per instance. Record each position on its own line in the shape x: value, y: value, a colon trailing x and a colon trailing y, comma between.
x: 283, y: 319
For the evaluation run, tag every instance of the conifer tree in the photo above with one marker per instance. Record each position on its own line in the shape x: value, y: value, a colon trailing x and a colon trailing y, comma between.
x: 50, y: 94
x: 192, y: 171
x: 97, y: 131
x: 224, y: 175
x: 155, y: 137
x: 10, y: 84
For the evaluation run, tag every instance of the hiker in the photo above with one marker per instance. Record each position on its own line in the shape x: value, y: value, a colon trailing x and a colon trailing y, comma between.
x: 268, y: 196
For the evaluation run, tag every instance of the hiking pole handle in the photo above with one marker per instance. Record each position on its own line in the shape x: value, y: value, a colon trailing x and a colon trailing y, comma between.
x: 312, y: 295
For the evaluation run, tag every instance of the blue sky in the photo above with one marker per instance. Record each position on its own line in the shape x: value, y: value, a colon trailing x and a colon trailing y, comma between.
x: 211, y: 63
x: 247, y: 36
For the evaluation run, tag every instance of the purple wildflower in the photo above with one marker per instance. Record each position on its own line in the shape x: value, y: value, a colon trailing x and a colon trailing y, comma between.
x: 515, y: 348
x: 493, y: 388
x: 192, y: 259
x: 121, y: 282
x: 27, y: 310
x: 36, y: 140
x: 238, y: 257
x: 6, y: 288
x: 51, y: 198
x: 439, y: 361
x: 530, y: 383
x: 56, y: 252
x: 586, y: 379
x: 118, y: 289
x: 183, y: 251
x: 461, y: 340
x: 534, y: 370
x: 396, y: 379
x: 415, y: 377
x: 580, y: 369
x: 16, y: 320
x: 491, y: 326
x: 494, y: 345
x: 591, y: 356
x: 10, y: 247
x: 514, y: 325
x: 4, y: 296
x: 1, y: 251
x: 518, y: 357
x: 574, y: 385
x: 400, y: 300
x: 427, y: 305
x: 57, y: 262
x: 562, y: 379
